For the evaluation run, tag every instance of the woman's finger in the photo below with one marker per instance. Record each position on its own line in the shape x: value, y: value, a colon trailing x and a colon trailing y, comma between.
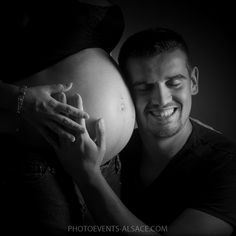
x: 58, y: 88
x: 60, y: 97
x: 67, y: 123
x: 63, y: 134
x: 69, y: 110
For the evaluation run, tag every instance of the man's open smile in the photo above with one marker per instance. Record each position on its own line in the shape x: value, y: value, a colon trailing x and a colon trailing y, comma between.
x: 162, y: 115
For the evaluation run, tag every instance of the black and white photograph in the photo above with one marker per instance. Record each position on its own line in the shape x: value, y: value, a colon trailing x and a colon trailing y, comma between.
x: 118, y: 117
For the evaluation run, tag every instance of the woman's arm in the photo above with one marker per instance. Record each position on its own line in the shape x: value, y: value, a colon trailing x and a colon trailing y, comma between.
x: 40, y: 108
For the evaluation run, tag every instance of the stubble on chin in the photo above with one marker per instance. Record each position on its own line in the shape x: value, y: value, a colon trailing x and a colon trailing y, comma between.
x: 165, y: 131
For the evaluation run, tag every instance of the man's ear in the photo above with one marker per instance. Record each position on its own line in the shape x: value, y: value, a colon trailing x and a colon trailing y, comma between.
x: 194, y: 80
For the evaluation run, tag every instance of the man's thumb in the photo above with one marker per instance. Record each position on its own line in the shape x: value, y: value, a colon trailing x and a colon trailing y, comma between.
x: 100, y: 134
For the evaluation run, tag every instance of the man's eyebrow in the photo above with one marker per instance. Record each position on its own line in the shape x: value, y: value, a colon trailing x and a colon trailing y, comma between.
x: 139, y: 83
x: 177, y: 76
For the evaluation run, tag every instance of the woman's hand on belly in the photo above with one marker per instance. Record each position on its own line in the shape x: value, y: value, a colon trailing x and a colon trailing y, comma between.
x: 42, y: 109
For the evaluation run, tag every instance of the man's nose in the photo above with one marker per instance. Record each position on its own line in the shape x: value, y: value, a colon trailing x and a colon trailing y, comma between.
x: 161, y: 95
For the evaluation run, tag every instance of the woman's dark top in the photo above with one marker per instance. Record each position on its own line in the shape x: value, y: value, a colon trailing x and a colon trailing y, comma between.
x: 38, y: 34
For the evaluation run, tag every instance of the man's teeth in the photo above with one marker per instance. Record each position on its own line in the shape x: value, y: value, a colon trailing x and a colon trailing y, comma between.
x: 164, y: 114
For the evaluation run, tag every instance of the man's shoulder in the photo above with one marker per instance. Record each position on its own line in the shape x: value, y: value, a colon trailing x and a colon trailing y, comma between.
x: 211, y: 140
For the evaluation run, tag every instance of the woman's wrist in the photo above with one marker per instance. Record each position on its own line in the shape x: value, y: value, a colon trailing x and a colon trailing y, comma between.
x: 20, y: 99
x: 11, y: 104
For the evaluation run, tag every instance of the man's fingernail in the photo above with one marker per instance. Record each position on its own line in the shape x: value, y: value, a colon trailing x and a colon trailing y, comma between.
x: 86, y: 115
x: 101, y: 122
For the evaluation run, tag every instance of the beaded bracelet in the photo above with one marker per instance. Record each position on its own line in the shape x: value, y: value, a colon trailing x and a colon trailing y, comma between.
x: 20, y: 99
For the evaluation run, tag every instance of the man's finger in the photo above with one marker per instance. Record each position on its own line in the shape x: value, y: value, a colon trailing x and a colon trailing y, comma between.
x: 100, y: 134
x: 78, y: 103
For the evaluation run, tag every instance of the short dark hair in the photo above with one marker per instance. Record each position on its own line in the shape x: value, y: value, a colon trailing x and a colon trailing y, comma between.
x: 151, y: 42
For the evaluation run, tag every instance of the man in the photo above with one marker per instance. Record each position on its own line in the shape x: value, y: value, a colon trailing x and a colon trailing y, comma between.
x: 176, y: 172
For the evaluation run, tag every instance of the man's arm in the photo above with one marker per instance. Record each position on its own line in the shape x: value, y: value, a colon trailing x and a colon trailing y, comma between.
x: 82, y: 161
x: 195, y: 222
x: 103, y: 203
x: 107, y: 209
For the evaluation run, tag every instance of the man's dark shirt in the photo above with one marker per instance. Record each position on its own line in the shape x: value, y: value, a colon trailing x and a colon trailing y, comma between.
x: 201, y: 176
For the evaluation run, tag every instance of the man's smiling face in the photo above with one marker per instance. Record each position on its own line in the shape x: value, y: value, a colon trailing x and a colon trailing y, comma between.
x: 162, y: 87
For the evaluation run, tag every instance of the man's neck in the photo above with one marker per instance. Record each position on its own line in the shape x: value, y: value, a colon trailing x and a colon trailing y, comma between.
x: 157, y: 153
x: 158, y: 150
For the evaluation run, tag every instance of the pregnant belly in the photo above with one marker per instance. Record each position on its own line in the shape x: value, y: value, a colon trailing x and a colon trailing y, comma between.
x: 96, y: 78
